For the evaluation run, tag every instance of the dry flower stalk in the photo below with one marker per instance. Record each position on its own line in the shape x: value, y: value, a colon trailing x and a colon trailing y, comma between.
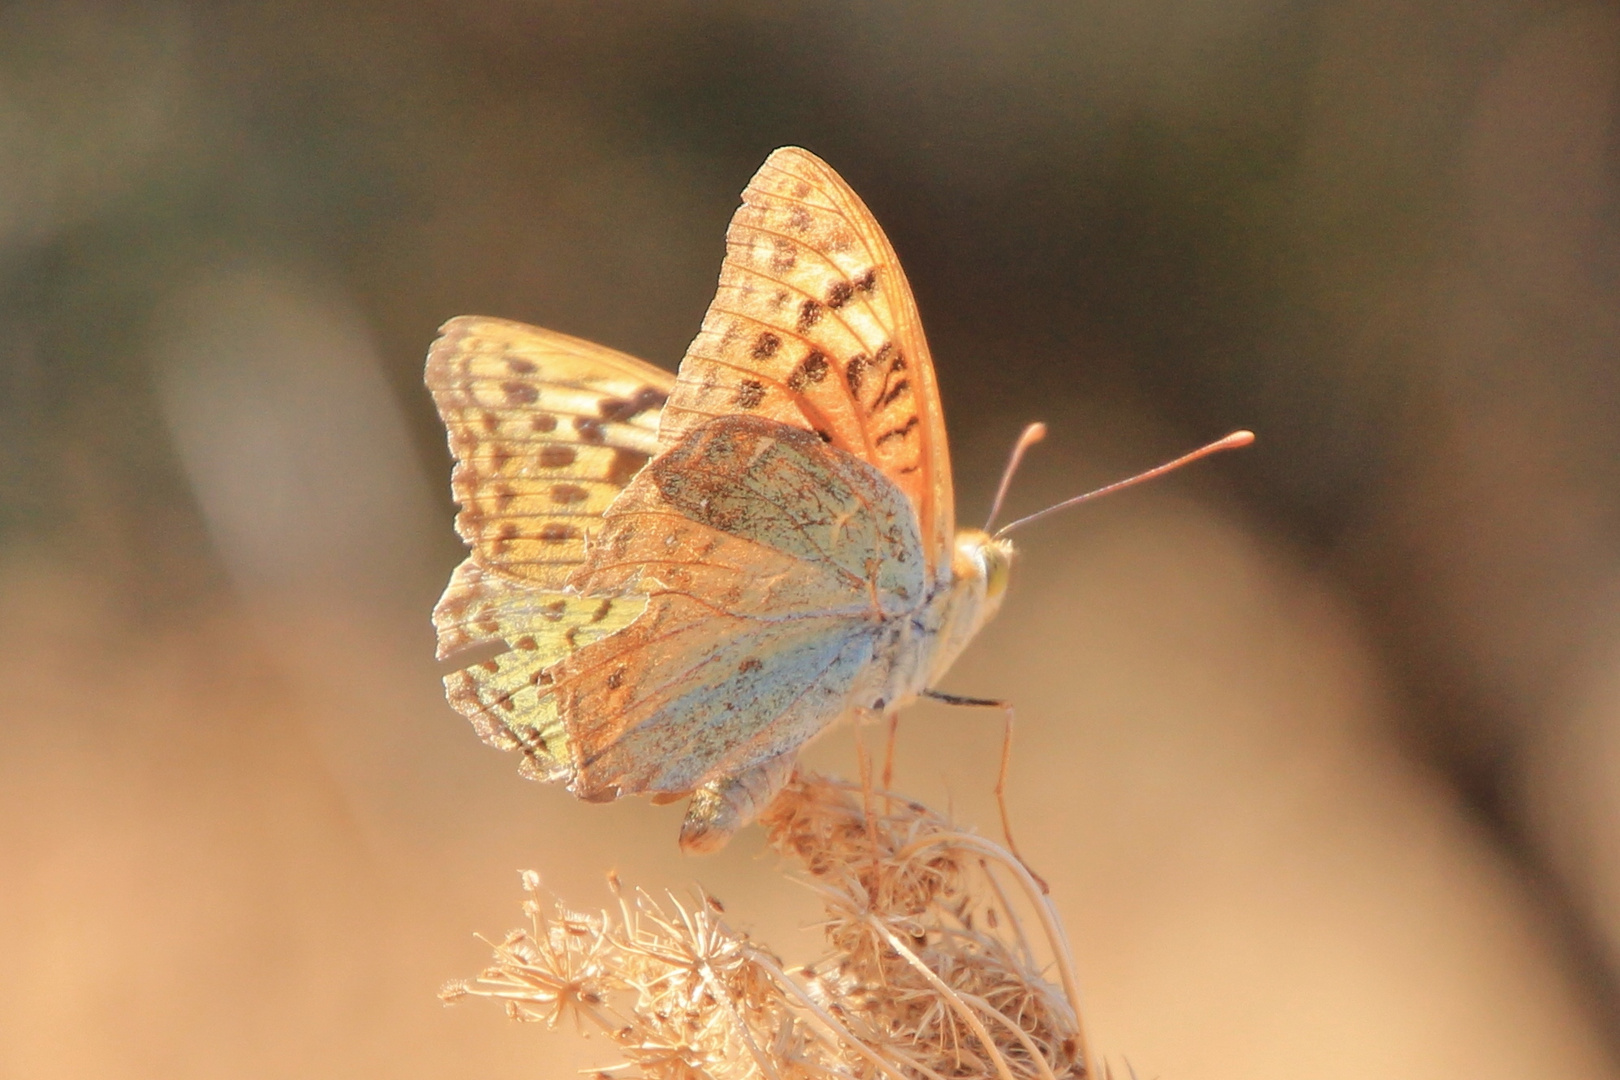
x: 928, y: 975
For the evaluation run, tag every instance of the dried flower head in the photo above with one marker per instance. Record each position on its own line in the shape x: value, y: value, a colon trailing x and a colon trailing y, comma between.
x: 928, y: 972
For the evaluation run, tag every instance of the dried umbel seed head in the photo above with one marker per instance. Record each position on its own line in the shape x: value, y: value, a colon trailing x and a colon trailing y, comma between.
x: 928, y: 974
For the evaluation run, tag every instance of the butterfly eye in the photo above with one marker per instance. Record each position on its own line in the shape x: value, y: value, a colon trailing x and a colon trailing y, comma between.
x: 997, y: 555
x: 982, y: 557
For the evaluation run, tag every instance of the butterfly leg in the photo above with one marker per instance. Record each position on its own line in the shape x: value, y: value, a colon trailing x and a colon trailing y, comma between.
x: 1006, y: 765
x: 721, y: 807
x: 887, y: 783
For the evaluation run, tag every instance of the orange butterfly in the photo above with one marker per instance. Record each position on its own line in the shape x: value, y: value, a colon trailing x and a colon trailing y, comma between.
x: 692, y: 576
x: 690, y: 589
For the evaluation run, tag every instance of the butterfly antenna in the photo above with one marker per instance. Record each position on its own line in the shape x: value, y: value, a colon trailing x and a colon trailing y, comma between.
x: 1033, y: 434
x: 1231, y: 442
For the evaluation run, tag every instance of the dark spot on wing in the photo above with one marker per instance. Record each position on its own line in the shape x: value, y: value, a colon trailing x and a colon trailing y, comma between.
x: 554, y: 610
x: 867, y: 281
x: 542, y: 422
x: 783, y: 255
x: 590, y: 430
x: 809, y: 314
x: 839, y: 294
x: 622, y: 409
x: 503, y: 496
x: 855, y: 372
x: 519, y: 393
x: 799, y: 219
x: 898, y: 433
x: 615, y: 677
x: 568, y: 494
x: 503, y: 536
x: 526, y: 643
x: 749, y: 394
x: 602, y: 610
x: 555, y: 457
x: 751, y: 664
x: 626, y: 463
x: 766, y: 345
x: 519, y: 366
x: 499, y: 456
x: 489, y: 420
x: 901, y: 387
x: 812, y: 369
x: 555, y: 532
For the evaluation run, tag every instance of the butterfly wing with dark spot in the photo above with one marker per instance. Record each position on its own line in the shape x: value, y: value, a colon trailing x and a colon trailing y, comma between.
x: 546, y: 429
x: 508, y: 696
x: 814, y: 325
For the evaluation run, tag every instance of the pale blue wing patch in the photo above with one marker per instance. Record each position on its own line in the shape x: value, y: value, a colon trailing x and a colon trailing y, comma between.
x: 775, y: 565
x: 684, y: 695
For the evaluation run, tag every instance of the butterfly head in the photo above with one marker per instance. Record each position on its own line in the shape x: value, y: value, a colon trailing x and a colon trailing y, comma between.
x: 984, y: 563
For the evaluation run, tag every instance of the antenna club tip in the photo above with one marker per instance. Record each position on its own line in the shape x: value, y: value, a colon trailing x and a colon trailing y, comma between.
x: 1236, y: 439
x: 1035, y: 432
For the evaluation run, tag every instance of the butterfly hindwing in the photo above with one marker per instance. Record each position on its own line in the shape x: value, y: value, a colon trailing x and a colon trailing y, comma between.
x: 684, y: 696
x: 769, y: 561
x: 762, y: 519
x: 814, y: 325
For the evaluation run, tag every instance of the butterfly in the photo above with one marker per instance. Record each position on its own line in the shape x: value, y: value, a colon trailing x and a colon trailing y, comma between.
x: 687, y: 577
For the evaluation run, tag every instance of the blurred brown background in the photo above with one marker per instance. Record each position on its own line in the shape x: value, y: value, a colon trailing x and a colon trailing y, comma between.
x: 1319, y: 743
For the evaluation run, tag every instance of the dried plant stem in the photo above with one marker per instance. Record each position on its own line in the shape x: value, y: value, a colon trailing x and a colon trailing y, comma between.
x: 1062, y: 956
x: 928, y: 975
x: 960, y: 1003
x: 840, y: 1032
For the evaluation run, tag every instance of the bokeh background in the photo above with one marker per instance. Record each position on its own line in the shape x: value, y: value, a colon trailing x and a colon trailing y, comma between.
x: 1319, y: 743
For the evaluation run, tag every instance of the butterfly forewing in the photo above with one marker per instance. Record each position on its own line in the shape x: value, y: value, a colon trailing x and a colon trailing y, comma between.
x: 814, y: 325
x: 508, y: 697
x: 546, y: 430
